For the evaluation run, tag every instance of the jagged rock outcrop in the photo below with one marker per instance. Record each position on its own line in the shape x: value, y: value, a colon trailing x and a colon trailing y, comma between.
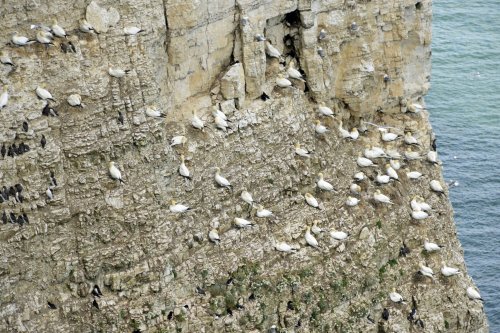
x: 157, y: 270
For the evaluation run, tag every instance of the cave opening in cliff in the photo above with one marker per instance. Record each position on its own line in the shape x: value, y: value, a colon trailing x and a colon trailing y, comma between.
x: 292, y: 19
x: 418, y: 5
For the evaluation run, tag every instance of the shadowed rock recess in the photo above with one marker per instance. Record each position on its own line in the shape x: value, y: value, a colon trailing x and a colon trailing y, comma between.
x: 102, y: 256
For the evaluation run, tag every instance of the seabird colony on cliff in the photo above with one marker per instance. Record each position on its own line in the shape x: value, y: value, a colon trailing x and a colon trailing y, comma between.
x: 286, y: 78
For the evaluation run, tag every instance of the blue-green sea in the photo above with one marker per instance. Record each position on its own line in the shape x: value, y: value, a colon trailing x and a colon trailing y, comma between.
x: 464, y: 103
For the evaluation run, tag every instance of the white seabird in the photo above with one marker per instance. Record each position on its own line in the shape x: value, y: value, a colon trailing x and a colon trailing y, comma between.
x: 114, y: 172
x: 131, y: 31
x: 49, y: 193
x: 379, y: 197
x: 393, y: 154
x: 426, y: 271
x: 364, y: 162
x: 58, y: 30
x: 247, y: 197
x: 382, y: 179
x: 20, y: 40
x: 355, y: 189
x: 260, y: 38
x: 213, y: 235
x: 282, y: 82
x: 415, y: 108
x: 423, y: 205
x: 432, y: 157
x: 374, y: 152
x: 183, y: 170
x: 338, y: 235
x: 216, y: 112
x: 436, y: 186
x: 75, y: 100
x: 196, y: 121
x: 284, y: 247
x: 4, y: 97
x: 411, y: 155
x: 473, y: 294
x: 351, y: 201
x: 43, y: 93
x: 152, y: 111
x: 431, y: 247
x: 223, y: 182
x: 177, y: 140
x: 387, y: 136
x: 315, y: 229
x: 220, y: 123
x: 301, y: 151
x: 410, y: 139
x: 359, y: 176
x: 242, y: 223
x: 320, y: 129
x: 354, y: 133
x: 311, y: 201
x: 395, y: 297
x: 323, y: 184
x: 293, y: 73
x: 118, y: 72
x: 449, y: 271
x: 272, y: 52
x: 262, y: 212
x: 85, y: 26
x: 413, y: 175
x: 391, y: 172
x: 419, y: 214
x: 345, y: 134
x: 395, y: 164
x: 322, y: 34
x: 178, y: 208
x: 43, y: 38
x: 310, y: 239
x: 5, y: 58
x: 325, y: 110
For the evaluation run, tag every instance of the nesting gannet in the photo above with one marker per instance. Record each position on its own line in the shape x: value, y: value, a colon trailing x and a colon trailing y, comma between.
x: 50, y: 194
x: 177, y: 208
x: 284, y: 247
x: 20, y: 40
x: 178, y: 140
x: 359, y: 176
x: 325, y: 110
x: 272, y: 52
x: 338, y: 235
x: 395, y: 297
x: 410, y: 139
x: 449, y: 271
x: 431, y: 247
x: 4, y: 97
x: 260, y: 38
x: 423, y: 205
x: 321, y: 52
x: 183, y: 170
x: 382, y: 179
x: 152, y: 111
x: 391, y: 172
x: 213, y: 235
x: 75, y: 100
x: 351, y: 201
x: 415, y: 204
x: 196, y: 121
x: 43, y: 93
x: 282, y: 82
x: 345, y: 134
x: 311, y: 201
x: 419, y: 214
x: 395, y: 164
x: 322, y: 34
x: 301, y: 151
x: 247, y: 197
x: 413, y: 175
x: 216, y: 112
x: 42, y: 38
x: 114, y: 172
x: 379, y: 197
x: 355, y: 189
x: 364, y: 162
x: 354, y: 133
x: 58, y: 30
x: 220, y: 123
x: 315, y: 229
x: 374, y: 152
x: 432, y: 157
x: 262, y: 212
x: 394, y: 154
x: 473, y: 294
x: 411, y: 155
x: 293, y: 73
x: 323, y: 184
x: 320, y: 129
x: 223, y: 182
x: 5, y: 58
x: 310, y: 239
x: 242, y: 223
x: 118, y: 72
x: 415, y: 108
x: 426, y: 271
x: 387, y: 136
x: 436, y: 186
x: 86, y: 26
x: 131, y: 31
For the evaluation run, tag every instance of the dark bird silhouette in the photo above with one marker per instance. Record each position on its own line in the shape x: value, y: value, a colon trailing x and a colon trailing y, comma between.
x: 51, y: 305
x: 25, y: 217
x: 4, y: 217
x: 96, y: 291
x: 170, y: 315
x: 120, y: 118
x: 25, y: 126
x: 3, y: 150
x: 43, y: 141
x: 95, y: 304
x: 385, y: 314
x: 200, y: 291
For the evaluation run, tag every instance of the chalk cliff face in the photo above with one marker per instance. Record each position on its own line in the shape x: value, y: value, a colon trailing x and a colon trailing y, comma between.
x: 157, y: 270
